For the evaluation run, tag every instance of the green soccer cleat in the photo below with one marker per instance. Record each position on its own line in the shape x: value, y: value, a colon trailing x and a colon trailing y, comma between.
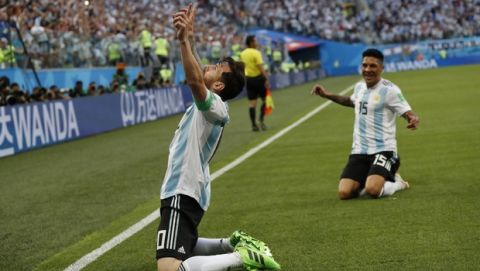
x: 240, y: 236
x: 254, y: 259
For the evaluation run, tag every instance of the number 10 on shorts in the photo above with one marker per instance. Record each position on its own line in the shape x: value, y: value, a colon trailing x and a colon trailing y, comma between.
x: 161, y: 239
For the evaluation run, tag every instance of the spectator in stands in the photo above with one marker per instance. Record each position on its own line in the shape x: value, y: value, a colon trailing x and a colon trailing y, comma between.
x: 114, y: 86
x: 92, y: 89
x: 236, y: 48
x: 4, y: 90
x: 162, y: 48
x: 140, y: 82
x: 165, y: 76
x: 101, y: 90
x: 47, y: 27
x: 120, y: 76
x: 114, y: 52
x: 277, y: 58
x: 155, y: 81
x: 7, y: 54
x: 145, y: 39
x: 215, y: 50
x: 38, y: 94
x: 78, y: 90
x: 17, y: 96
x: 3, y: 96
x: 54, y: 93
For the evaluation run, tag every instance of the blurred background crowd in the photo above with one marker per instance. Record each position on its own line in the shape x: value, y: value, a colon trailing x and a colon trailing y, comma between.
x: 100, y: 33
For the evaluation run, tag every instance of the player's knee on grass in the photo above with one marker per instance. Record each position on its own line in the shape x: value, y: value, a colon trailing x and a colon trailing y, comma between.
x: 347, y: 189
x: 345, y: 194
x: 168, y: 264
x: 374, y: 185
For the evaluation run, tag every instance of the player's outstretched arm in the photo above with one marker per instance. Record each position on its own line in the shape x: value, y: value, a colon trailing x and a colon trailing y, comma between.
x: 193, y: 72
x: 322, y: 92
x: 191, y: 13
x: 413, y: 120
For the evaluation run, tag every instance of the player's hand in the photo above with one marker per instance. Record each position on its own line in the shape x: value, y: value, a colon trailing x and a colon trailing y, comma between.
x: 319, y: 90
x: 413, y: 122
x: 191, y: 13
x: 180, y: 21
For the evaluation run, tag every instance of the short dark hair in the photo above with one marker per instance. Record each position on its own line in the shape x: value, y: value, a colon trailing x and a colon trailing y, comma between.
x: 372, y: 52
x: 249, y: 40
x: 234, y: 80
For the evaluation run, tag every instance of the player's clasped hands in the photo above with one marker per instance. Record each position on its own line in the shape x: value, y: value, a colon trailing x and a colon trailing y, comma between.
x: 183, y: 21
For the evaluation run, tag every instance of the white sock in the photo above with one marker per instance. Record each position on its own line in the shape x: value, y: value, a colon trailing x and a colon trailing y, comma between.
x: 222, y: 262
x: 212, y: 246
x: 389, y: 188
x: 362, y: 193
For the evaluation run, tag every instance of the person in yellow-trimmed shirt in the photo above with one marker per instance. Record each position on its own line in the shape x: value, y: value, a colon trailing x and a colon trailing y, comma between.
x: 256, y: 79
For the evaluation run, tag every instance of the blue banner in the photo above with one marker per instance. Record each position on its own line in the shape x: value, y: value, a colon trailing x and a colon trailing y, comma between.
x: 66, y: 78
x: 26, y: 127
x: 341, y: 59
x: 431, y: 54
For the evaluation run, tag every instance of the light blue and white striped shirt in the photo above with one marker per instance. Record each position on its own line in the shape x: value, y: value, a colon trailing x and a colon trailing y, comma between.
x: 376, y: 110
x: 194, y: 144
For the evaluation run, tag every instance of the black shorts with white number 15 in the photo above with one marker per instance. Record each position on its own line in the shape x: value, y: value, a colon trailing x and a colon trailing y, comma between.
x: 360, y: 166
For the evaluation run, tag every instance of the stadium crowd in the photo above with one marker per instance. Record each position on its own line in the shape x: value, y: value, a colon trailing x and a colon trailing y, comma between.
x: 367, y: 21
x: 71, y: 33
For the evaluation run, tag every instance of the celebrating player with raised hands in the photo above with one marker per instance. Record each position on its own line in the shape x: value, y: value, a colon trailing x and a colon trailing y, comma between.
x: 185, y: 192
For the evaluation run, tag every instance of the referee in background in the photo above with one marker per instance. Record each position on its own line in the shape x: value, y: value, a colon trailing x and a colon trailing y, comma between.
x: 257, y: 81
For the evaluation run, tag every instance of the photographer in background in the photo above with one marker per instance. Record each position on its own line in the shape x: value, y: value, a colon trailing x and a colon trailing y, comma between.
x: 54, y: 93
x: 77, y: 91
x: 11, y: 94
x: 38, y: 94
x: 17, y: 95
x: 4, y: 90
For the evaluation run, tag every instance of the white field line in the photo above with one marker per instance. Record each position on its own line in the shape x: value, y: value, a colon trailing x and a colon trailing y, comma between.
x: 92, y: 256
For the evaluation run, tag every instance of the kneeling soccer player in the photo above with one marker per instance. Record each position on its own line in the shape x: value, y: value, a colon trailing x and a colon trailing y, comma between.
x: 185, y: 192
x: 373, y: 163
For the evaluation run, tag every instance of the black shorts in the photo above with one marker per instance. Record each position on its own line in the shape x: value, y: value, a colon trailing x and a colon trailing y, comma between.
x: 360, y: 166
x: 256, y: 87
x: 177, y: 233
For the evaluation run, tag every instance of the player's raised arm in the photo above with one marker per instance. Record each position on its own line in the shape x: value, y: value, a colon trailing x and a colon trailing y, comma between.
x: 193, y: 72
x: 322, y: 92
x: 191, y: 13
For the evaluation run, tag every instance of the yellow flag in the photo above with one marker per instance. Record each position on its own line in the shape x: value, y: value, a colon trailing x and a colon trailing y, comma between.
x: 269, y: 106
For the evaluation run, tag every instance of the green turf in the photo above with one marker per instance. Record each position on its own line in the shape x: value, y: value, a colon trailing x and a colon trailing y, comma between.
x: 60, y: 202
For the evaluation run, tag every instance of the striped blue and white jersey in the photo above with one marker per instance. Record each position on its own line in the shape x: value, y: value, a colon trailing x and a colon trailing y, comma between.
x: 194, y: 144
x: 376, y: 110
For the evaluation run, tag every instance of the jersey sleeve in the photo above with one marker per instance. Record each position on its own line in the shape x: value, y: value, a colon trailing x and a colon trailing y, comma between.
x: 354, y: 95
x: 396, y: 101
x: 213, y: 109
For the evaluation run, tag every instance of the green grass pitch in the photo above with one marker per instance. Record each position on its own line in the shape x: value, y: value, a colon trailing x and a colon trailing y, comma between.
x: 61, y: 202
